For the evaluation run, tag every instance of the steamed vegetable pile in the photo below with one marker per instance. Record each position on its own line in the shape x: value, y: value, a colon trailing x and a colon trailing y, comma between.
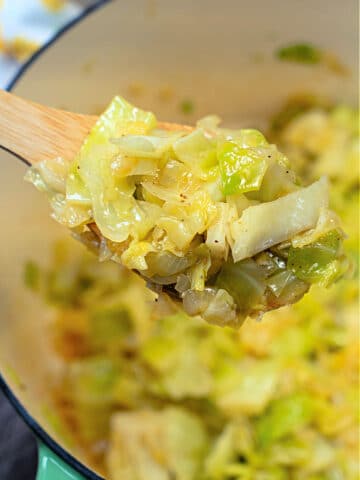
x: 175, y: 398
x: 213, y: 216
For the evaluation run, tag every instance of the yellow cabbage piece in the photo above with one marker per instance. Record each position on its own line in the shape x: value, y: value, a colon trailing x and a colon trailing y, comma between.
x: 150, y: 444
x: 114, y: 207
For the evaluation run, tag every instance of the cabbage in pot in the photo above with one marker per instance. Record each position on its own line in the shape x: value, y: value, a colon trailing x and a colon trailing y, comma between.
x: 275, y: 400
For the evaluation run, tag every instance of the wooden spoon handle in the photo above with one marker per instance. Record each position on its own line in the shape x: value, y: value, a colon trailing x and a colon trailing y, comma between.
x: 35, y: 132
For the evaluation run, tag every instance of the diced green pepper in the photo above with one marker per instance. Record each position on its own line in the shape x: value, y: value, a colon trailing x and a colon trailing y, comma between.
x: 241, y: 169
x: 300, y: 52
x: 317, y: 262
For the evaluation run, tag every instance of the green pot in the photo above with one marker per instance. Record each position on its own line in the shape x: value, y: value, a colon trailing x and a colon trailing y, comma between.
x: 218, y: 55
x: 52, y: 467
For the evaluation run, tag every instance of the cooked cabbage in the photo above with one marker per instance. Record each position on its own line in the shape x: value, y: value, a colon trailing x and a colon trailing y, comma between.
x: 277, y: 399
x: 157, y: 445
x: 192, y: 210
x: 263, y: 226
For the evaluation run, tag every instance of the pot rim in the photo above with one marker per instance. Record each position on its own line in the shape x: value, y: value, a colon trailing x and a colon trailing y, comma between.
x: 39, y: 431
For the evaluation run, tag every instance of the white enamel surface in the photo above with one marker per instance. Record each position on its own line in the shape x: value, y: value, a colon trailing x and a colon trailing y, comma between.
x: 220, y: 57
x: 218, y: 54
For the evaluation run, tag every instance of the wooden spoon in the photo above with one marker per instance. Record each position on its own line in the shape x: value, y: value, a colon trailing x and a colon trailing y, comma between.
x: 34, y: 132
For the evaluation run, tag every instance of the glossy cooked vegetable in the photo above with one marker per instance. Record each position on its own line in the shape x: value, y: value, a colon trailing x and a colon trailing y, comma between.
x: 211, y: 215
x: 275, y: 400
x: 300, y: 52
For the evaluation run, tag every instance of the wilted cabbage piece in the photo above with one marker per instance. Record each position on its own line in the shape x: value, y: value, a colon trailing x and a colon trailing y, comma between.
x: 212, y: 215
x: 157, y: 445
